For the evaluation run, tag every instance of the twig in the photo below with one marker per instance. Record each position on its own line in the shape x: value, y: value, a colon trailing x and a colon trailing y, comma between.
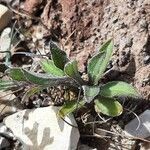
x: 96, y: 122
x: 102, y: 118
x: 95, y: 135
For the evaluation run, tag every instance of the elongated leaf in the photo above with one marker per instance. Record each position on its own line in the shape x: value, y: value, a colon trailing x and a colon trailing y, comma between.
x: 70, y: 107
x: 71, y: 70
x: 16, y: 74
x: 97, y: 64
x: 43, y: 79
x: 6, y: 85
x: 39, y: 78
x: 118, y: 88
x: 108, y: 106
x: 90, y: 92
x: 49, y: 67
x: 59, y: 57
x: 106, y: 45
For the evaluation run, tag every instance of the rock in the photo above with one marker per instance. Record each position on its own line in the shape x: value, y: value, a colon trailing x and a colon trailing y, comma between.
x: 146, y: 59
x: 139, y: 129
x: 5, y: 16
x: 32, y: 126
x: 5, y: 40
x: 4, y: 143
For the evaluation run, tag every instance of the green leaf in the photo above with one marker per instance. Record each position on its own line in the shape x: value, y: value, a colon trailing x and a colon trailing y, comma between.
x: 58, y: 56
x: 118, y: 88
x: 49, y: 67
x: 97, y: 64
x: 16, y: 74
x: 43, y: 79
x: 70, y: 107
x: 39, y: 78
x: 7, y: 84
x: 108, y: 106
x: 71, y: 70
x: 90, y: 92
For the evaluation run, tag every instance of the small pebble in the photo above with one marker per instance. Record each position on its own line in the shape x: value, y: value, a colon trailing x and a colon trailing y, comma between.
x: 146, y: 59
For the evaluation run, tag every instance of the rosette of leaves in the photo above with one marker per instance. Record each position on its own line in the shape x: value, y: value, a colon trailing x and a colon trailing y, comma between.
x: 103, y: 95
x: 59, y: 70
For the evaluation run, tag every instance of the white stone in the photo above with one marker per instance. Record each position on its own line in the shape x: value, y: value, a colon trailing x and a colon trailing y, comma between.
x: 5, y: 39
x: 139, y: 129
x: 42, y: 129
x: 5, y: 16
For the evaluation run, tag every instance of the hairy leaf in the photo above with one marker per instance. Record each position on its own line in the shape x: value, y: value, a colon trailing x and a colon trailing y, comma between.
x: 108, y: 106
x: 39, y: 78
x: 59, y: 57
x: 118, y: 88
x: 97, y: 64
x: 70, y: 107
x: 16, y: 74
x: 49, y: 67
x: 90, y: 92
x: 71, y: 70
x: 43, y: 79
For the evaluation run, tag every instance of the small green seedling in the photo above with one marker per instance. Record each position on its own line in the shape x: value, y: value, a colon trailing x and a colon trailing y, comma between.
x: 59, y: 70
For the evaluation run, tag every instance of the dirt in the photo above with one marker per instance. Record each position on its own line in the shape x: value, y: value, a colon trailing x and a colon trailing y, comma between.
x: 76, y: 25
